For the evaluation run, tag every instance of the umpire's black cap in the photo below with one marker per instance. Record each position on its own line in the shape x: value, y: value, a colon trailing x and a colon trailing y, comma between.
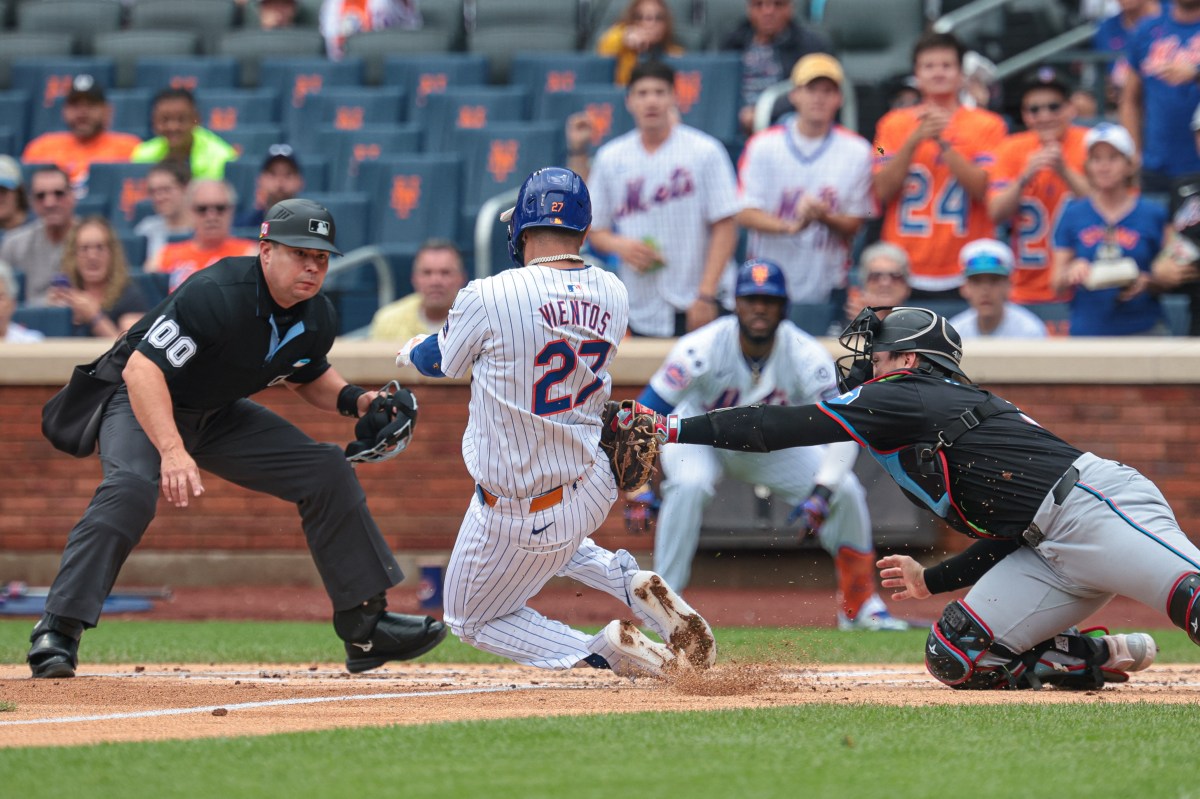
x: 300, y: 223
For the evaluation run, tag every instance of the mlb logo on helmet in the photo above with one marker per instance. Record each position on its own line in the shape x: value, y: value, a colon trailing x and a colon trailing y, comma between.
x: 318, y: 226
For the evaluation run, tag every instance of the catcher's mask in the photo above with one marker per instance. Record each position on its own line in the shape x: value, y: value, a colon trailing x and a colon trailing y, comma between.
x: 391, y: 440
x: 903, y: 329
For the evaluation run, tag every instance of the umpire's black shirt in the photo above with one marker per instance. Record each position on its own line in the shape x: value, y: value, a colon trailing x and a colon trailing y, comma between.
x: 221, y: 337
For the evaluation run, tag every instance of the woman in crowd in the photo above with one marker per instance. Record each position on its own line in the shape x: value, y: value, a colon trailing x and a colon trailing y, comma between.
x: 1105, y: 243
x: 166, y: 183
x: 95, y: 282
x: 644, y: 31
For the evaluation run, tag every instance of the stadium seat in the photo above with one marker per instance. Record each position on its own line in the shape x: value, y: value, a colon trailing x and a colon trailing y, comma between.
x: 131, y: 113
x: 194, y: 73
x: 948, y: 307
x: 441, y: 32
x: 604, y: 105
x: 348, y: 149
x: 243, y: 173
x: 470, y: 107
x: 813, y: 318
x: 17, y: 46
x: 250, y: 47
x: 127, y: 47
x: 722, y: 17
x: 1056, y: 315
x: 1177, y: 313
x: 544, y: 75
x: 346, y: 108
x: 124, y: 185
x: 47, y: 80
x: 223, y: 110
x: 420, y: 196
x: 83, y: 19
x: 14, y: 111
x: 707, y: 90
x: 154, y: 285
x: 504, y: 27
x: 873, y: 46
x: 54, y: 322
x: 209, y: 19
x: 351, y: 212
x: 296, y: 79
x: 252, y: 140
x: 135, y: 248
x: 8, y: 140
x: 421, y: 76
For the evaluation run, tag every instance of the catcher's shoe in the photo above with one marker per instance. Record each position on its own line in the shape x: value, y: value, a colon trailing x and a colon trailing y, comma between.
x: 631, y: 654
x: 397, y: 636
x: 676, y: 621
x: 1129, y: 652
x: 54, y: 654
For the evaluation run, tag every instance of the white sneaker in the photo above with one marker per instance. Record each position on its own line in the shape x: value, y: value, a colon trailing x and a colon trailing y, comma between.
x: 874, y: 617
x: 686, y: 630
x: 1129, y: 652
x: 636, y: 655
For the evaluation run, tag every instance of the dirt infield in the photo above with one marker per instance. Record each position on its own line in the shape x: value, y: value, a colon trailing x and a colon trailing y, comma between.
x: 123, y: 703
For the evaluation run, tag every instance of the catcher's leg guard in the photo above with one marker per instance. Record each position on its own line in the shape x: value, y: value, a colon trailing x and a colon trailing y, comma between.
x: 55, y: 647
x: 1183, y: 607
x: 957, y: 644
x: 374, y: 636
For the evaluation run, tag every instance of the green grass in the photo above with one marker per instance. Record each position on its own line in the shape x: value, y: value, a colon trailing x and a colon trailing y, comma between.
x: 1095, y: 749
x: 138, y: 642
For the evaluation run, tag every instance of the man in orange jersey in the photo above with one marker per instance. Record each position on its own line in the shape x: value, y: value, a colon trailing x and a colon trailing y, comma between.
x: 87, y: 139
x: 211, y: 203
x: 1034, y: 174
x: 930, y: 163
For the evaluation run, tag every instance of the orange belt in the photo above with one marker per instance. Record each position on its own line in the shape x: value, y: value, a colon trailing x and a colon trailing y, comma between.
x: 540, y: 502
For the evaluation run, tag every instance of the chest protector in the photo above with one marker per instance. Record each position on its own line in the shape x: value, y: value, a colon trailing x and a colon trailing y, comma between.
x: 922, y: 472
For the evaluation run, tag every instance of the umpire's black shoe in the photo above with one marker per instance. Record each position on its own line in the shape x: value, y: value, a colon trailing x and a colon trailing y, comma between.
x: 397, y: 636
x: 54, y: 653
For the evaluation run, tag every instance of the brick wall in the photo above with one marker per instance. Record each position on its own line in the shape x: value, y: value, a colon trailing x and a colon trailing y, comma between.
x: 419, y: 497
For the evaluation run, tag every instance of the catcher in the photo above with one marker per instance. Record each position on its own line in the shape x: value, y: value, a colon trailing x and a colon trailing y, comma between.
x: 537, y: 341
x: 170, y: 399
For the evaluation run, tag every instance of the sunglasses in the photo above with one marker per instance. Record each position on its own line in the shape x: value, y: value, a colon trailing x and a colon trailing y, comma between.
x: 873, y: 277
x: 218, y: 208
x: 57, y: 194
x: 1034, y: 110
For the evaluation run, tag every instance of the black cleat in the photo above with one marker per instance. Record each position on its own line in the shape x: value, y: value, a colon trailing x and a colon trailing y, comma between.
x: 397, y: 636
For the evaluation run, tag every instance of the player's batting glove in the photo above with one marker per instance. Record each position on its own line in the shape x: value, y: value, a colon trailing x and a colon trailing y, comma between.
x: 641, y: 510
x: 404, y: 356
x: 813, y: 511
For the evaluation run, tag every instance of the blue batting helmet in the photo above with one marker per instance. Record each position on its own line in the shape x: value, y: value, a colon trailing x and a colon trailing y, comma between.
x: 759, y: 278
x: 550, y: 197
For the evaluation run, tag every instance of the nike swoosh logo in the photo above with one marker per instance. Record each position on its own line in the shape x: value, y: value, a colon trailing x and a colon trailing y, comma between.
x: 367, y: 647
x: 537, y: 530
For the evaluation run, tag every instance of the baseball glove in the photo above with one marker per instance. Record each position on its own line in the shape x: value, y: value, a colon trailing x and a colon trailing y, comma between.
x: 628, y: 436
x: 385, y: 430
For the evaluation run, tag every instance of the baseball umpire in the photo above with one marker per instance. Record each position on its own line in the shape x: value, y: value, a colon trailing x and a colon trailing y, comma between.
x: 1060, y: 531
x: 183, y: 374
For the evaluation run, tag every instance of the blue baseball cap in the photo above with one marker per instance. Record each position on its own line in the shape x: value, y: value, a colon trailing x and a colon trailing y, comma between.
x: 986, y: 257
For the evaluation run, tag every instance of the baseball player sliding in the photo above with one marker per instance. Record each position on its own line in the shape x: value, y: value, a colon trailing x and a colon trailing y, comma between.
x: 538, y: 341
x: 758, y: 357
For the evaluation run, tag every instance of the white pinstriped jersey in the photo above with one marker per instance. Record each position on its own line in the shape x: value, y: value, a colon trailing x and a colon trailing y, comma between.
x: 778, y: 168
x: 670, y: 196
x: 538, y: 341
x: 706, y: 370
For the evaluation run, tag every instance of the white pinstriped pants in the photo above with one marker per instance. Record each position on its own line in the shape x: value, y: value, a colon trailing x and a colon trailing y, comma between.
x: 499, y: 562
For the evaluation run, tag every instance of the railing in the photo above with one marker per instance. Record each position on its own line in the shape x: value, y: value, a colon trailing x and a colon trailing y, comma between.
x: 485, y: 223
x: 374, y: 256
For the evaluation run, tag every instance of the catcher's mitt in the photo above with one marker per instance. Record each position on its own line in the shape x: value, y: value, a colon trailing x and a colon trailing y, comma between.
x: 629, y: 438
x: 385, y: 429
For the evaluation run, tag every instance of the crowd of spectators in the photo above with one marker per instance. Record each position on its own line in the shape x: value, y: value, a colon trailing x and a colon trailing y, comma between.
x: 1077, y: 207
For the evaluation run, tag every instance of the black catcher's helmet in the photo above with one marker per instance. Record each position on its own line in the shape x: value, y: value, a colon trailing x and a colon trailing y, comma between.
x: 904, y: 329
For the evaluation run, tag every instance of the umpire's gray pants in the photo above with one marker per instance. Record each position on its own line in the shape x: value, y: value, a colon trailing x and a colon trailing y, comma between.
x: 1114, y: 533
x: 245, y: 444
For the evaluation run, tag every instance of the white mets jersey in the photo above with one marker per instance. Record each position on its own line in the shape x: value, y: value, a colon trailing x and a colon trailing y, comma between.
x: 706, y: 370
x: 668, y: 198
x: 777, y: 170
x: 538, y: 342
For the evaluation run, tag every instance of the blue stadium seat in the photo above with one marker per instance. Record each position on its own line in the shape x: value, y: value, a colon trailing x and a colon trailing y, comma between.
x: 707, y: 90
x: 347, y: 108
x: 604, y: 105
x: 92, y: 205
x: 46, y: 80
x: 544, y: 75
x: 156, y: 72
x: 349, y: 148
x: 1177, y: 312
x: 470, y: 107
x: 135, y: 250
x: 504, y: 27
x: 211, y: 19
x: 298, y: 78
x: 83, y: 19
x: 813, y: 318
x: 124, y: 186
x: 8, y: 141
x: 224, y: 110
x: 127, y: 47
x: 419, y: 196
x: 441, y: 32
x: 15, y: 46
x: 350, y: 210
x: 54, y: 322
x: 251, y: 47
x: 154, y: 285
x: 1056, y: 315
x: 243, y: 173
x: 502, y: 155
x: 252, y: 140
x: 434, y: 73
x: 14, y: 110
